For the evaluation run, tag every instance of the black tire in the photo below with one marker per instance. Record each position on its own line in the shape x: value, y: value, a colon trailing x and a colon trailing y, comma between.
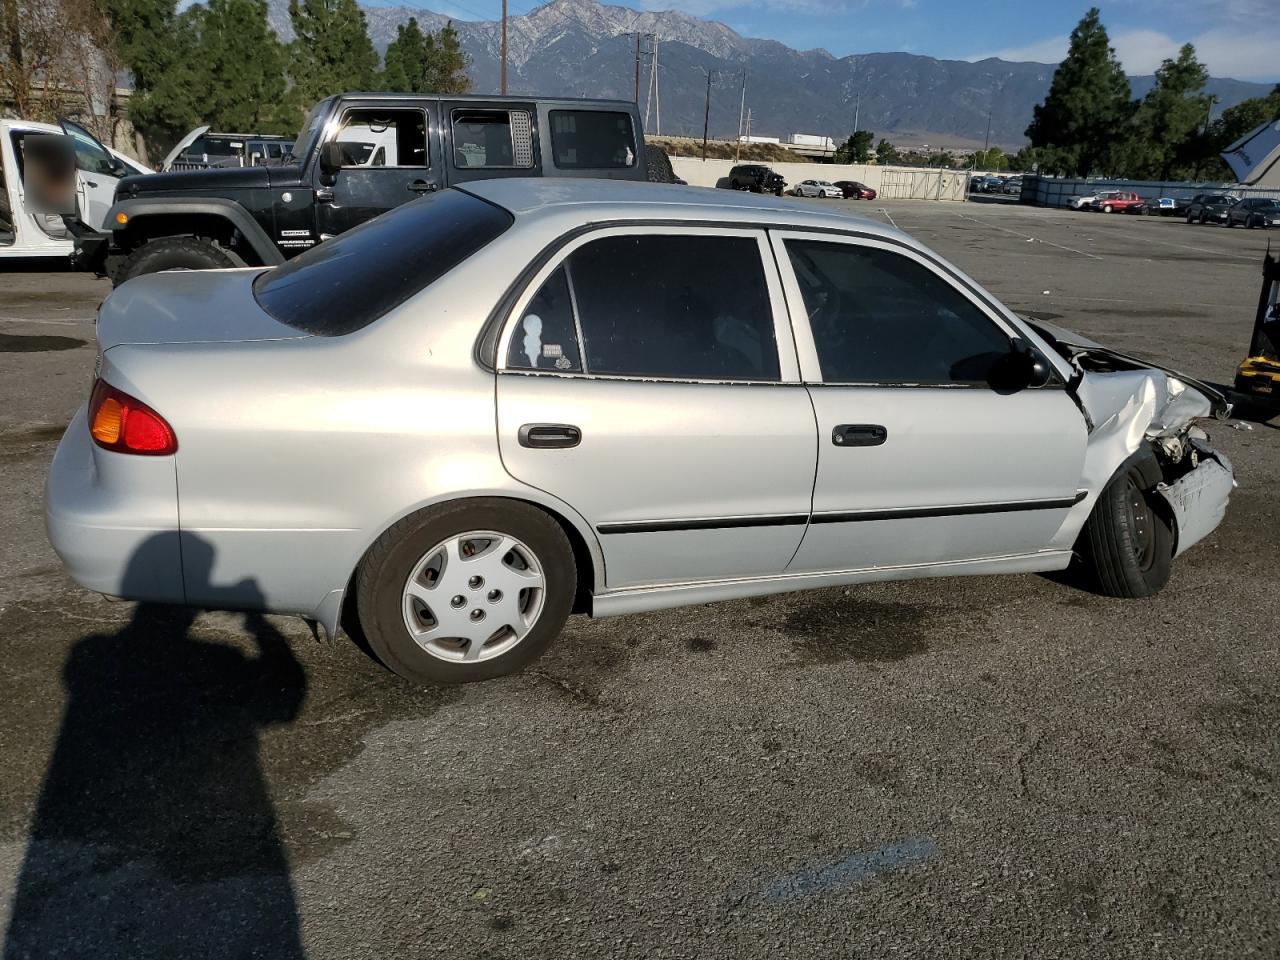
x: 1251, y: 222
x: 1204, y: 218
x: 1106, y: 208
x: 658, y: 165
x: 388, y: 563
x: 1127, y: 541
x: 1190, y: 219
x: 173, y: 253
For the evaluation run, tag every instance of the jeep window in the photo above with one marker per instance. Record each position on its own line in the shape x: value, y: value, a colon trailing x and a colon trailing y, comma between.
x: 351, y: 280
x: 492, y: 138
x: 310, y: 131
x: 90, y: 156
x: 592, y: 139
x: 383, y: 137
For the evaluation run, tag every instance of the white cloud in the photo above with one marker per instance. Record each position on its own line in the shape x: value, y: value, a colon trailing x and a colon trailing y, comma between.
x: 1242, y: 55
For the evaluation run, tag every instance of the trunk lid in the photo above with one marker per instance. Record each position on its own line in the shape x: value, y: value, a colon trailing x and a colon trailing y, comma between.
x: 189, y: 306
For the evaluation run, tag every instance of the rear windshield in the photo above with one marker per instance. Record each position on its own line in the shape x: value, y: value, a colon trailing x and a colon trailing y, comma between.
x: 348, y: 282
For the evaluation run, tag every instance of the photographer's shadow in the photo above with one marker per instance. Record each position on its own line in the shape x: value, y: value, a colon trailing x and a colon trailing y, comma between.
x: 155, y: 834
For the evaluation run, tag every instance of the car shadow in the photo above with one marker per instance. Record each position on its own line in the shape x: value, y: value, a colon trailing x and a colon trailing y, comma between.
x: 1244, y: 407
x: 155, y: 834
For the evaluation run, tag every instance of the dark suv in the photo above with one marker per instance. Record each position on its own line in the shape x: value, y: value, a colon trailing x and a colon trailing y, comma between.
x: 357, y: 155
x: 1206, y: 207
x: 757, y: 178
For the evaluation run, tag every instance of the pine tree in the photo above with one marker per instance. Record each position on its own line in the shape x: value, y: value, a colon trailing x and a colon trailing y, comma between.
x: 242, y: 64
x: 406, y: 60
x: 332, y: 52
x: 446, y: 63
x: 1088, y: 104
x: 1169, y: 120
x: 857, y: 149
x: 886, y: 152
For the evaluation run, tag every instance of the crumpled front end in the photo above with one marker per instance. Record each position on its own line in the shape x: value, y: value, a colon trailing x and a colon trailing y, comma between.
x: 1139, y: 412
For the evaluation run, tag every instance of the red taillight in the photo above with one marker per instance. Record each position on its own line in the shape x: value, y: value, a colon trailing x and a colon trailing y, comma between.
x: 124, y: 424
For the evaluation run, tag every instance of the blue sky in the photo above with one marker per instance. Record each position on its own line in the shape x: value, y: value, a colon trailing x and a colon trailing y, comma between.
x: 1235, y: 38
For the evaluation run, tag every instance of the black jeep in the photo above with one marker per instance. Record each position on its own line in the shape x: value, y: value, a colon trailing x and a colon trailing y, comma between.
x: 357, y: 155
x: 757, y: 178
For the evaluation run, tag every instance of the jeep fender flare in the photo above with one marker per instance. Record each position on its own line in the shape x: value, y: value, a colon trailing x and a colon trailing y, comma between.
x: 229, y: 210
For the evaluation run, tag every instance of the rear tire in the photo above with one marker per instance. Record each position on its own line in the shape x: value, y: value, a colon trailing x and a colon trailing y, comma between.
x: 1127, y: 542
x: 174, y: 253
x: 392, y: 565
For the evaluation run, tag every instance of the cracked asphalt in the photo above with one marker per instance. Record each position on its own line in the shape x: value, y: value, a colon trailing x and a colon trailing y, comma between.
x: 990, y: 767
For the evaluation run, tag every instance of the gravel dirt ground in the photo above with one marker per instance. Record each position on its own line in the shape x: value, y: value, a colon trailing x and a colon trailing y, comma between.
x: 995, y: 767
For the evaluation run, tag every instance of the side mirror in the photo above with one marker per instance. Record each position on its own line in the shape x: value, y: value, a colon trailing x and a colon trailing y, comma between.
x: 1020, y: 369
x: 330, y: 161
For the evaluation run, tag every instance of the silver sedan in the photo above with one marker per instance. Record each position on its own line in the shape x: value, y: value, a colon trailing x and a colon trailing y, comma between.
x: 499, y: 405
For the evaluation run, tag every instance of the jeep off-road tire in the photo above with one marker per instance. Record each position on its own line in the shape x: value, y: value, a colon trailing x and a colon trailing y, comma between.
x: 1127, y: 542
x: 397, y: 590
x: 173, y: 253
x: 658, y: 167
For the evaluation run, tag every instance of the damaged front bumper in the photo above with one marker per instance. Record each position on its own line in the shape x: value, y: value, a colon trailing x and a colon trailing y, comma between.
x: 1199, y: 498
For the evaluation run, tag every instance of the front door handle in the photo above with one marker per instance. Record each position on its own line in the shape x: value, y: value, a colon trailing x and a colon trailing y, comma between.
x: 859, y: 435
x: 422, y: 186
x: 549, y: 436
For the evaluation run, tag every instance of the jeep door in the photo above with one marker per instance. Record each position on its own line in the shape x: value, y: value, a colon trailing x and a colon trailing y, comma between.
x: 484, y: 140
x: 387, y: 160
x: 98, y: 173
x: 668, y: 415
x: 921, y: 459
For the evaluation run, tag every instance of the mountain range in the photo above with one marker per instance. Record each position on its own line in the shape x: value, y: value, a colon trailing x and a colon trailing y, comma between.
x: 586, y: 48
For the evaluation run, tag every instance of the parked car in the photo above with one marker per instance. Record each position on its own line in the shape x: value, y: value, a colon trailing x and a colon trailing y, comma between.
x: 756, y: 178
x: 29, y: 233
x: 202, y: 150
x: 1084, y: 202
x: 1116, y: 201
x: 992, y: 184
x: 356, y: 156
x: 1255, y: 212
x: 515, y: 399
x: 1163, y: 207
x: 817, y: 188
x: 853, y: 190
x: 1209, y: 208
x: 1013, y: 185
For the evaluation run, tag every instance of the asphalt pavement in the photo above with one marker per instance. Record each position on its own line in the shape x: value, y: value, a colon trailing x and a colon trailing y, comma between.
x: 988, y: 767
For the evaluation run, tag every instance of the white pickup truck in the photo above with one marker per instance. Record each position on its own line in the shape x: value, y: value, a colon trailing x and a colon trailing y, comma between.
x: 26, y: 233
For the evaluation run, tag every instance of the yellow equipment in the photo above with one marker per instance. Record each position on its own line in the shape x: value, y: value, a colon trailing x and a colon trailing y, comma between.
x: 1258, y: 375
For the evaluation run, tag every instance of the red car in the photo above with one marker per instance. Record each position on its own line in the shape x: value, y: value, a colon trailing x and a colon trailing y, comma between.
x: 853, y: 190
x: 1117, y: 201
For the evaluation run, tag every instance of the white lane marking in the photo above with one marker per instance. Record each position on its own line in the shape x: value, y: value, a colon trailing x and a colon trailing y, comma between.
x: 1184, y: 246
x: 1068, y: 296
x: 889, y: 216
x: 63, y: 323
x: 1027, y: 236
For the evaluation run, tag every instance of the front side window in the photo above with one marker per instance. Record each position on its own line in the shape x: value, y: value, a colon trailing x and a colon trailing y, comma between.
x: 592, y: 139
x: 492, y: 138
x: 91, y: 157
x: 383, y: 137
x: 880, y: 317
x: 672, y: 307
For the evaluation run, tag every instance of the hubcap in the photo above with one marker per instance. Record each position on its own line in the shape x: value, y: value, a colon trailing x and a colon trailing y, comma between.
x: 474, y: 596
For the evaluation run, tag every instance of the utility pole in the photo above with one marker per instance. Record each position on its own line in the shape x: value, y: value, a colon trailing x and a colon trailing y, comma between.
x: 504, y: 47
x: 636, y: 95
x: 986, y: 141
x: 741, y: 111
x: 857, y: 108
x: 706, y: 117
x: 657, y: 89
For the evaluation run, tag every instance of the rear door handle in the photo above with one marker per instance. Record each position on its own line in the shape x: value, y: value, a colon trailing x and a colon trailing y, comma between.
x: 859, y: 435
x: 549, y: 436
x: 422, y: 186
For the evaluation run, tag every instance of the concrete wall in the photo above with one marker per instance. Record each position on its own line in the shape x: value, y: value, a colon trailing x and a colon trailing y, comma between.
x: 889, y: 182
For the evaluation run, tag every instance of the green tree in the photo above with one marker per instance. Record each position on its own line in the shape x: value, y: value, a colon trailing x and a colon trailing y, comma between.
x: 1087, y: 105
x: 1167, y: 128
x: 425, y: 63
x: 404, y: 65
x: 448, y: 64
x: 886, y: 152
x: 332, y: 52
x: 857, y: 149
x: 1247, y: 115
x: 993, y: 158
x: 241, y: 67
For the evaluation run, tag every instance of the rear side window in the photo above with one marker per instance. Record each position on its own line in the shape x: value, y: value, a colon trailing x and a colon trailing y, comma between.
x: 348, y: 282
x: 592, y: 139
x: 492, y: 138
x: 675, y: 307
x: 880, y: 317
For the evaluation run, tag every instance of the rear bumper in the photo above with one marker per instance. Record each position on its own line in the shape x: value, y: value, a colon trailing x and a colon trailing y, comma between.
x: 115, y: 530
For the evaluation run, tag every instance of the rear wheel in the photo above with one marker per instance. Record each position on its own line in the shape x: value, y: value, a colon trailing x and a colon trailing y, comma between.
x: 1126, y: 542
x: 466, y: 591
x: 173, y: 253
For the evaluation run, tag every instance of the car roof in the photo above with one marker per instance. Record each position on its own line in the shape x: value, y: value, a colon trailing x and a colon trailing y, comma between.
x: 631, y: 200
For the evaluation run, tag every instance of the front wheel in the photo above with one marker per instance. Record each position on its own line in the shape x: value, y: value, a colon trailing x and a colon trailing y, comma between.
x: 1127, y: 542
x: 1204, y: 218
x: 1107, y: 208
x: 466, y: 591
x: 173, y: 253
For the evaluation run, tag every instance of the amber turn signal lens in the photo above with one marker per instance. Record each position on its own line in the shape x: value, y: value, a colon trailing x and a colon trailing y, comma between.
x: 108, y: 422
x: 122, y: 218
